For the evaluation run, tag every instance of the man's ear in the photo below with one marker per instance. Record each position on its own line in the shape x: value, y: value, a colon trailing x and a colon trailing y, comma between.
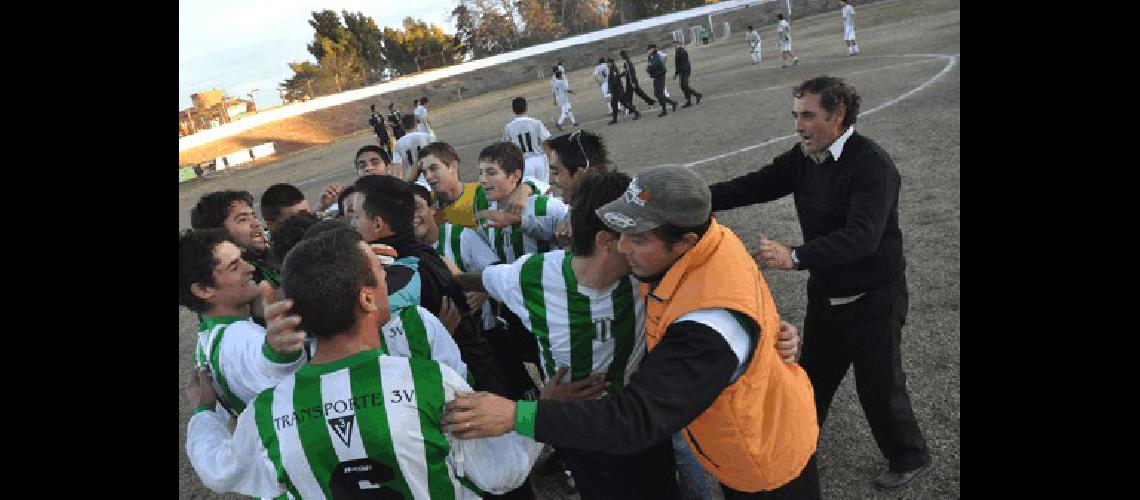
x: 367, y: 300
x: 840, y: 112
x: 689, y: 240
x: 202, y: 291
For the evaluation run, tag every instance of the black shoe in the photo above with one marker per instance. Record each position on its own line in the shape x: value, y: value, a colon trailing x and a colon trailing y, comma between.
x: 559, y: 125
x: 652, y: 102
x: 889, y: 480
x: 699, y: 96
x: 674, y: 103
x: 663, y: 112
x: 575, y: 124
x: 611, y: 122
x: 687, y: 105
x: 636, y: 115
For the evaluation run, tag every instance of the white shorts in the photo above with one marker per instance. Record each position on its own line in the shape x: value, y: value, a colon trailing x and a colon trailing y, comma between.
x: 785, y: 46
x: 536, y: 167
x: 848, y: 32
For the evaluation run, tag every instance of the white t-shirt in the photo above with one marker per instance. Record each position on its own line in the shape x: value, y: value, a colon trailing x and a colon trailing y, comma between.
x: 407, y: 152
x: 753, y: 39
x: 421, y: 119
x: 782, y: 28
x: 602, y: 70
x: 583, y: 328
x: 527, y: 133
x: 560, y: 87
x: 848, y: 15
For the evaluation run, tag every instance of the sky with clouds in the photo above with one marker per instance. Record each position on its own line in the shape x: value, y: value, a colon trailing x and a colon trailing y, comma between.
x: 241, y: 45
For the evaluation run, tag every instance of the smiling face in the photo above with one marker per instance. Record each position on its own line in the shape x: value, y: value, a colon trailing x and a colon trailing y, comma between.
x: 496, y: 182
x: 245, y: 228
x: 370, y: 163
x: 440, y: 176
x: 423, y: 219
x: 560, y: 176
x: 816, y: 129
x: 233, y: 286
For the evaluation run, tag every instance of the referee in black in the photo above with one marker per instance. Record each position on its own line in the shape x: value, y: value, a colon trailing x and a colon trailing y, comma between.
x: 631, y: 85
x: 378, y: 126
x: 846, y: 191
x: 683, y: 69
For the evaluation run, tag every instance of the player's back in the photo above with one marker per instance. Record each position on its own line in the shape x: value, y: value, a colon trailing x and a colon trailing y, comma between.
x: 527, y: 133
x: 410, y: 144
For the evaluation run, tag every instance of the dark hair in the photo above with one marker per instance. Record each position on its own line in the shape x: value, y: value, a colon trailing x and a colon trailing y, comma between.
x: 780, y: 16
x: 777, y: 15
x: 623, y: 54
x: 277, y: 197
x: 196, y: 264
x: 422, y: 192
x: 415, y: 102
x: 832, y: 91
x: 372, y: 107
x: 670, y: 234
x: 441, y: 150
x: 323, y: 226
x: 597, y: 189
x: 375, y: 149
x: 424, y: 100
x: 388, y: 198
x: 408, y: 121
x: 580, y: 149
x: 506, y: 154
x: 601, y: 60
x: 323, y: 277
x: 340, y: 208
x: 652, y: 46
x: 213, y: 208
x: 289, y: 232
x: 611, y: 61
x: 518, y: 105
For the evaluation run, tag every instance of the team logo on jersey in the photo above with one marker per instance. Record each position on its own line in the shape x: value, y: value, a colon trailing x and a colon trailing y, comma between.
x: 635, y: 195
x: 602, y: 328
x: 619, y: 220
x: 342, y: 427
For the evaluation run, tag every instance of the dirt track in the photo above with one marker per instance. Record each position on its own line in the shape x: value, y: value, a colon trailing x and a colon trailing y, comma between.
x: 906, y: 45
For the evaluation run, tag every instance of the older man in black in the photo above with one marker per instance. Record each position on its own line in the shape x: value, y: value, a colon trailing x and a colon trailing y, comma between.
x: 846, y: 192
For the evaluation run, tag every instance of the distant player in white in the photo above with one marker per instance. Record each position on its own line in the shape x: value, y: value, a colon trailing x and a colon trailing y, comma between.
x: 849, y: 28
x: 753, y: 39
x: 407, y: 152
x: 562, y: 98
x: 422, y: 122
x: 664, y: 58
x: 528, y: 134
x: 602, y: 78
x: 784, y: 31
x: 562, y: 69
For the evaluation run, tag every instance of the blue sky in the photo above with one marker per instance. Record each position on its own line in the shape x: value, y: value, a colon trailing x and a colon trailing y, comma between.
x: 240, y: 45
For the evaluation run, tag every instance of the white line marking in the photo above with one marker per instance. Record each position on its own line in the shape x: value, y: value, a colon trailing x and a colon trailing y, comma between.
x: 952, y: 60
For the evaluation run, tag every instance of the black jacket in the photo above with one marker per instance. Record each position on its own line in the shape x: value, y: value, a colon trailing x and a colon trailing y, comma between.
x: 630, y: 75
x: 615, y: 83
x: 681, y: 60
x: 656, y: 68
x: 848, y: 212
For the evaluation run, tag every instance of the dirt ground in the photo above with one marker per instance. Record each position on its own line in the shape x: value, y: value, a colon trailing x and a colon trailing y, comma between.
x: 909, y: 77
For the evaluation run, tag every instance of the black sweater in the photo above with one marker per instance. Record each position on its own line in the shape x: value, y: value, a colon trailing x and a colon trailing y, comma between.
x: 848, y: 212
x: 676, y: 382
x: 681, y: 60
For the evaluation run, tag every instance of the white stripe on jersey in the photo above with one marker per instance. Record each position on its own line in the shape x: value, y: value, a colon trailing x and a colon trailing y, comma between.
x: 289, y: 442
x: 404, y: 424
x: 527, y: 133
x: 408, y: 147
x: 336, y: 387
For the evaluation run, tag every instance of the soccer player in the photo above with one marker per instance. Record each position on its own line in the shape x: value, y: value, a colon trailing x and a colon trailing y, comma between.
x: 784, y: 31
x: 394, y: 122
x: 500, y: 174
x: 602, y: 77
x: 370, y: 159
x: 422, y: 122
x: 233, y: 211
x: 215, y: 283
x: 408, y: 153
x: 849, y: 27
x: 618, y: 97
x: 289, y: 232
x: 753, y: 39
x: 383, y: 138
x: 353, y: 422
x: 631, y: 85
x: 562, y: 98
x: 280, y: 202
x: 528, y: 133
x: 454, y: 199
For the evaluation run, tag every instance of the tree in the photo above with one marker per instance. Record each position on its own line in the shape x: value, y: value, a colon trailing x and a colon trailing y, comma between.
x: 419, y: 46
x: 325, y: 24
x: 367, y: 39
x: 541, y: 22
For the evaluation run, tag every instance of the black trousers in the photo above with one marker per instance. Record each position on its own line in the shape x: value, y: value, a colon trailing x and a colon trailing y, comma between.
x: 659, y: 92
x: 636, y: 89
x: 647, y: 474
x: 512, y: 346
x: 803, y: 487
x: 617, y: 96
x: 689, y: 92
x: 868, y: 334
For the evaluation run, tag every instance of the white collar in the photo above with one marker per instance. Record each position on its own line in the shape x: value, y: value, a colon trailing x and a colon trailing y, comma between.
x: 837, y: 146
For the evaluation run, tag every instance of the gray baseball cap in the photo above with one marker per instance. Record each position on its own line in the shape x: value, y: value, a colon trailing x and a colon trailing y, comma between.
x: 657, y: 196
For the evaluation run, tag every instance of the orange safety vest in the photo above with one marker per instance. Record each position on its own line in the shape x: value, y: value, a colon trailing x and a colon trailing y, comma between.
x: 761, y: 431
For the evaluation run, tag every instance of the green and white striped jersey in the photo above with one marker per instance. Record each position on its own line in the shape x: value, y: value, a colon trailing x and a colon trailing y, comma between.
x: 367, y: 424
x: 534, y: 234
x: 586, y: 329
x: 414, y: 332
x: 470, y: 252
x: 241, y: 363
